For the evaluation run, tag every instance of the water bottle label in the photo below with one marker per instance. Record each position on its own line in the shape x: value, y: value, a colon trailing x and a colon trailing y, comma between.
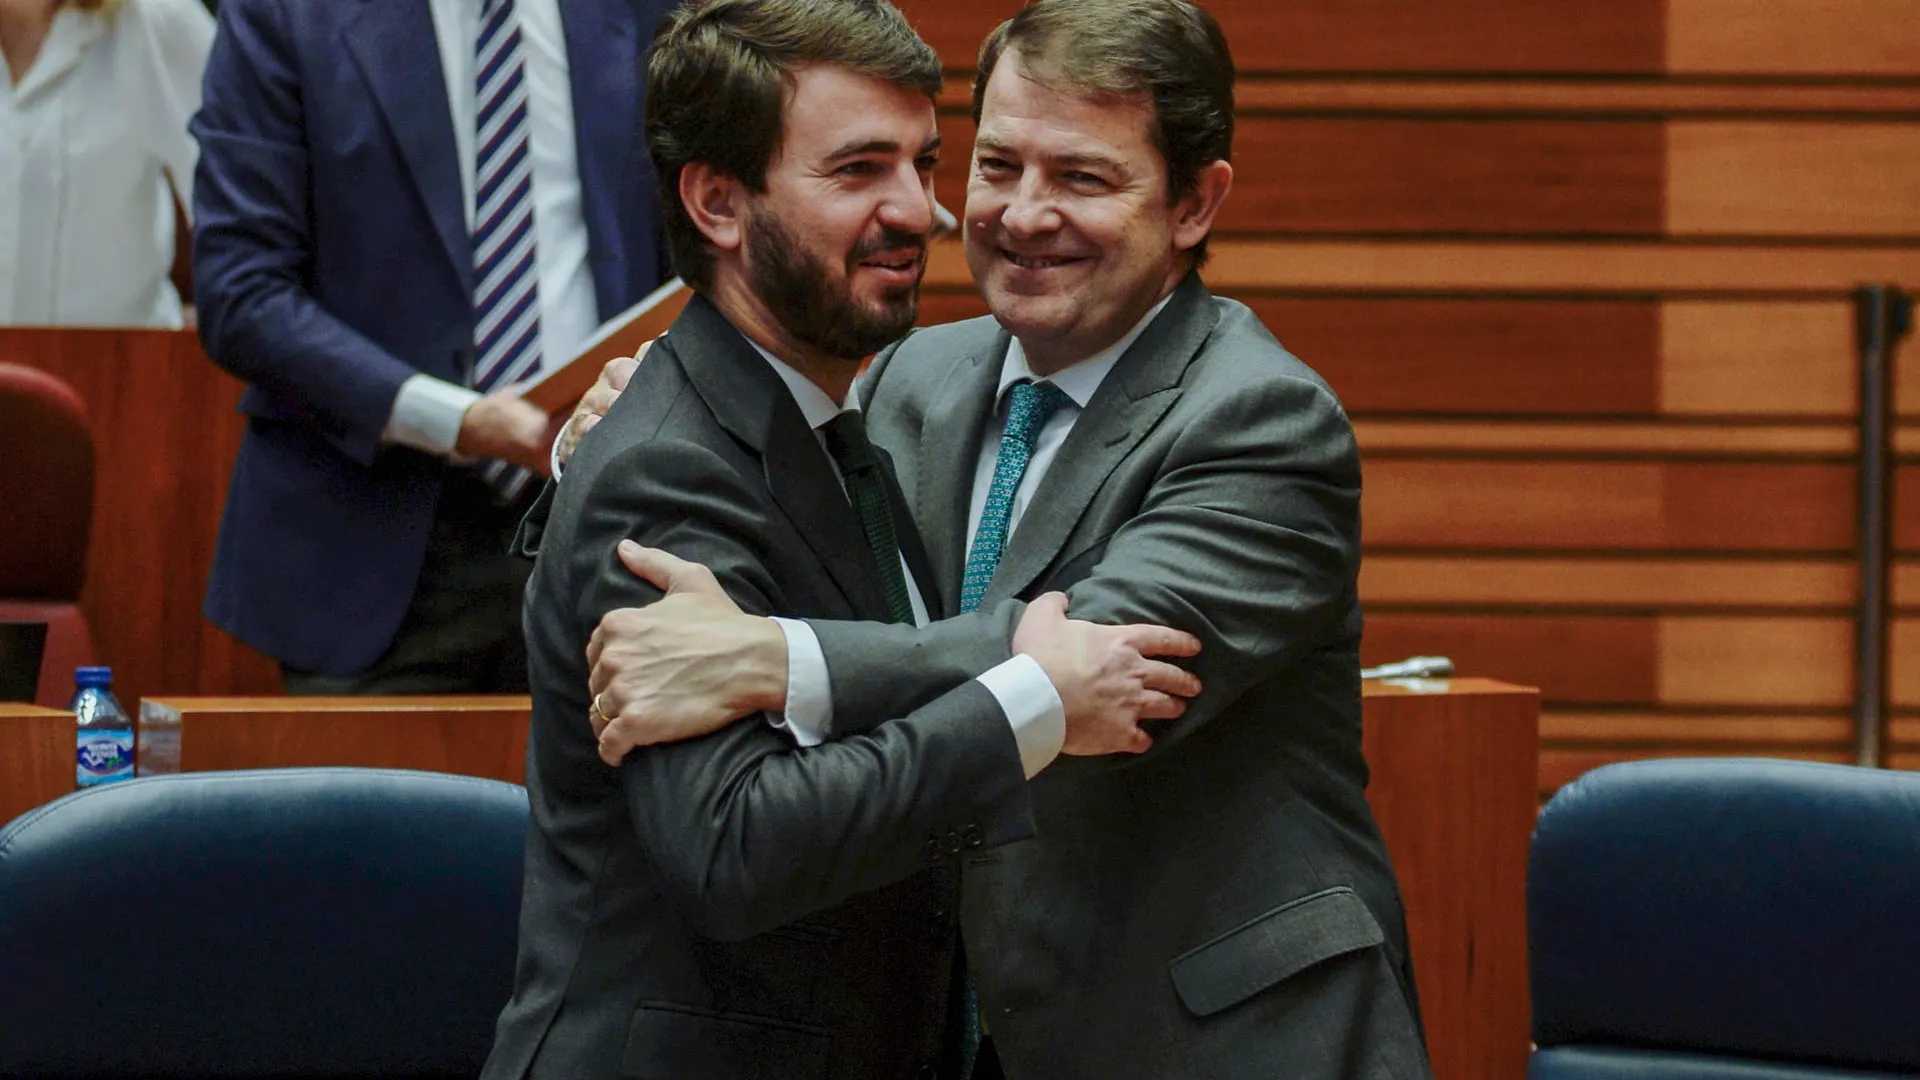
x: 104, y: 756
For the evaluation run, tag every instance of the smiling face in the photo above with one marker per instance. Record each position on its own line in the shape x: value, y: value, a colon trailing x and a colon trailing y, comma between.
x: 1069, y: 230
x: 834, y: 248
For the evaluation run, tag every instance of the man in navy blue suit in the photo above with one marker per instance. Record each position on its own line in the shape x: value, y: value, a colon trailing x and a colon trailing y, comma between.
x: 404, y: 210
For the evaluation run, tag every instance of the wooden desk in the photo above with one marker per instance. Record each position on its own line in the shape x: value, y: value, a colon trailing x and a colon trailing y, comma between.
x: 1454, y: 764
x: 471, y: 735
x: 36, y: 757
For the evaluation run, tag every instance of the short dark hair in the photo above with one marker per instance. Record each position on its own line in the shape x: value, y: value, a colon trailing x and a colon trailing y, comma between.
x: 719, y: 76
x: 1169, y: 51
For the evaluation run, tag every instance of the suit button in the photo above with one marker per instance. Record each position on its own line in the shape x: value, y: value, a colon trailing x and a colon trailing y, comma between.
x: 937, y: 924
x: 954, y: 843
x: 926, y: 1072
x: 934, y: 849
x: 972, y: 836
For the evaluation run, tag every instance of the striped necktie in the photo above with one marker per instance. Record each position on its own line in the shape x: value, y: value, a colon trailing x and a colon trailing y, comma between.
x: 1031, y: 406
x: 506, y: 297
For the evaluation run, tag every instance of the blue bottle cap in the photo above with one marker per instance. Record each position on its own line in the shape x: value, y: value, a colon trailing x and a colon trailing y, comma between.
x: 93, y: 676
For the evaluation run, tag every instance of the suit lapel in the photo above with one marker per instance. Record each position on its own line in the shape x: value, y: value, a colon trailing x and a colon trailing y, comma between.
x: 603, y: 67
x: 751, y: 402
x: 393, y: 44
x: 1132, y: 399
x: 949, y: 449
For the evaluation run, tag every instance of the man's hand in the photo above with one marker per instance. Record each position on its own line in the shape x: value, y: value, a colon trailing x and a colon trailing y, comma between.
x: 683, y: 666
x: 1106, y: 676
x: 595, y: 403
x: 501, y: 425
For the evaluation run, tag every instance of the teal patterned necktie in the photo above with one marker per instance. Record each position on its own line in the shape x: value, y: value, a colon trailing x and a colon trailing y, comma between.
x: 1031, y: 405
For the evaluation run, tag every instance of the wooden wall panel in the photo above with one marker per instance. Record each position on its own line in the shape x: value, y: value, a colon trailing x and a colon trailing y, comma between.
x: 1340, y: 36
x: 1743, y: 661
x: 1418, y: 355
x: 1472, y: 177
x: 1533, y: 505
x: 1730, y: 662
x: 1588, y: 659
x: 1903, y: 663
x: 165, y: 434
x: 1707, y: 730
x: 1906, y: 508
x: 1669, y: 584
x: 1815, y: 179
x: 1792, y: 37
x: 1758, y: 357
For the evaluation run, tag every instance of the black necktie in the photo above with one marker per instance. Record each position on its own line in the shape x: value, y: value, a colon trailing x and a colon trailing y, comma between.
x: 846, y: 438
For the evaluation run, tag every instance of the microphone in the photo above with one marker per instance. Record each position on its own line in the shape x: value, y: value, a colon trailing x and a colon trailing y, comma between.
x: 1418, y: 667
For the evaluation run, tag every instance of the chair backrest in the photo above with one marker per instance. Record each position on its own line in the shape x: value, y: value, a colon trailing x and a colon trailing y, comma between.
x: 299, y: 922
x: 46, y: 489
x: 1713, y: 919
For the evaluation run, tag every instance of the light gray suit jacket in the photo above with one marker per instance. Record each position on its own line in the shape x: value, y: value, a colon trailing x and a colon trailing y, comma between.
x: 1222, y: 906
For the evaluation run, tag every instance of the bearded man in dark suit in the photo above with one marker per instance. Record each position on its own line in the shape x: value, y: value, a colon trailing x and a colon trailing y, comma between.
x: 734, y: 906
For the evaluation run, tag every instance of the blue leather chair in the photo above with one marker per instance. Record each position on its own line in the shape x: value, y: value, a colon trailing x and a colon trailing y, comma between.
x: 1727, y: 920
x: 295, y: 922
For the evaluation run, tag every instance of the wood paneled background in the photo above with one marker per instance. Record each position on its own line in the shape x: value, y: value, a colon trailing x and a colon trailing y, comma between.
x: 165, y: 434
x: 1582, y: 275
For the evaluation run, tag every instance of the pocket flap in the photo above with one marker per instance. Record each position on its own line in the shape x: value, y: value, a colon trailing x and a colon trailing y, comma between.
x: 668, y: 1042
x: 1268, y: 948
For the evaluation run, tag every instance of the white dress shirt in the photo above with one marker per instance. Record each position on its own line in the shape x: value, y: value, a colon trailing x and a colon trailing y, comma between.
x: 89, y: 138
x: 1027, y: 697
x: 427, y: 411
x: 809, y: 688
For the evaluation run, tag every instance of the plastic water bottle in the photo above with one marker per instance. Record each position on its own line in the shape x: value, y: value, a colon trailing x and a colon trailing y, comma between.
x: 106, y: 731
x: 159, y: 740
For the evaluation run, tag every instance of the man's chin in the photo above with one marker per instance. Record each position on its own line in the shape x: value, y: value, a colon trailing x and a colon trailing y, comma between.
x: 1029, y: 316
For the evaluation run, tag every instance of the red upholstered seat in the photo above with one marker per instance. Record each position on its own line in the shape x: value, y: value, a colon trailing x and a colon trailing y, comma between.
x: 46, y: 514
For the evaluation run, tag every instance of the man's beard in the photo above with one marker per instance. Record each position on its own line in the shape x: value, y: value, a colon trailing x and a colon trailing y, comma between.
x: 803, y: 297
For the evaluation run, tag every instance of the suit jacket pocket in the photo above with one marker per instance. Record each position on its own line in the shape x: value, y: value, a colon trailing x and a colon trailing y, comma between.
x: 1271, y: 947
x: 673, y: 1042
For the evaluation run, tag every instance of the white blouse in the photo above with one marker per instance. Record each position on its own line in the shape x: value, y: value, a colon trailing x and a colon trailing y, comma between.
x: 88, y: 141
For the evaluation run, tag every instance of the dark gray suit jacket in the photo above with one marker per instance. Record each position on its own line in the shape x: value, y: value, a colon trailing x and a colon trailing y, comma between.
x: 731, y: 907
x: 1222, y: 906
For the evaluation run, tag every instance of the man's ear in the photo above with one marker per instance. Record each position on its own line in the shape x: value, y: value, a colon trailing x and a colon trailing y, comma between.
x: 715, y: 202
x: 1193, y: 215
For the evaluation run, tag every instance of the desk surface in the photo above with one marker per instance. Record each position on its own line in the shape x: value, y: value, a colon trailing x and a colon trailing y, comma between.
x: 281, y: 704
x: 21, y: 708
x: 1378, y: 688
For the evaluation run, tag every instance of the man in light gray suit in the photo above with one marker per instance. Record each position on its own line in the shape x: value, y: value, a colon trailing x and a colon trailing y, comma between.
x: 1222, y: 905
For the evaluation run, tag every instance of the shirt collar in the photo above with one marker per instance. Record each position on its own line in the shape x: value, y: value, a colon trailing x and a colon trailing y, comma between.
x: 66, y: 42
x: 814, y: 403
x: 1078, y: 380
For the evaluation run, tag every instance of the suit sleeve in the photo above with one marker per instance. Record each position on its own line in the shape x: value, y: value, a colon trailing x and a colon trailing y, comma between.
x: 253, y: 240
x: 748, y: 831
x: 1248, y: 538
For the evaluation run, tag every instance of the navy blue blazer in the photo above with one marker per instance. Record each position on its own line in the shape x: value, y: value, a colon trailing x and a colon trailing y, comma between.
x: 332, y: 261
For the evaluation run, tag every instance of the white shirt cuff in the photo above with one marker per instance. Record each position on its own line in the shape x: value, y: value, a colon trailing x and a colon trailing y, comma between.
x: 1033, y: 708
x: 553, y: 453
x: 809, y: 689
x: 427, y: 413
